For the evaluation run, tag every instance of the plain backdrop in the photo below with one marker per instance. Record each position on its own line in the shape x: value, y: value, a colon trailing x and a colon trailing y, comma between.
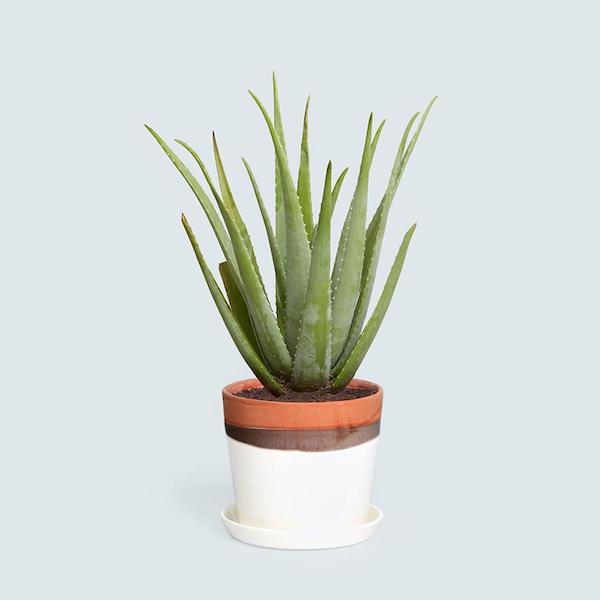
x: 113, y: 463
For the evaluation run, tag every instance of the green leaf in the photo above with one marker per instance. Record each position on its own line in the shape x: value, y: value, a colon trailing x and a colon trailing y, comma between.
x: 277, y: 120
x: 229, y: 212
x: 343, y: 378
x: 344, y: 235
x: 227, y: 195
x: 376, y: 139
x: 349, y: 258
x: 250, y: 284
x: 337, y: 187
x: 203, y: 199
x: 393, y: 181
x: 265, y: 324
x: 205, y: 172
x: 225, y: 213
x: 313, y: 354
x: 304, y: 195
x: 230, y: 205
x: 374, y: 238
x: 417, y: 133
x: 241, y: 341
x: 279, y: 202
x: 298, y: 249
x: 238, y: 305
x: 275, y: 253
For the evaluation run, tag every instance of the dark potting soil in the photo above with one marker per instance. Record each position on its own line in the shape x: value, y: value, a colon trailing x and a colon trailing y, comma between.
x: 316, y: 396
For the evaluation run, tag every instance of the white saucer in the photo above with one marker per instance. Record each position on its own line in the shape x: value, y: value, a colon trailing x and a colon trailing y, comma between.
x: 301, y: 540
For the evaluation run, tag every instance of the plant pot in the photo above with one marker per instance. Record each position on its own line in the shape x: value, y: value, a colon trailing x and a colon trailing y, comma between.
x: 302, y: 471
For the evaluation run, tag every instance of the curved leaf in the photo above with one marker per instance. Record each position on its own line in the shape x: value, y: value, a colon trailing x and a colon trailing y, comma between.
x: 337, y: 188
x: 229, y: 203
x: 230, y: 223
x: 265, y: 324
x: 343, y: 378
x: 275, y: 253
x: 203, y: 199
x: 241, y: 341
x: 374, y: 237
x: 238, y: 305
x: 228, y: 200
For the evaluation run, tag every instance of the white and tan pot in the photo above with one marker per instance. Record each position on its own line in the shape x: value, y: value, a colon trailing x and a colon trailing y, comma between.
x: 302, y: 471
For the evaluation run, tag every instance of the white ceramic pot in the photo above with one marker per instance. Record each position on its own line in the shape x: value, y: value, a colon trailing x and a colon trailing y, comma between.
x: 302, y: 471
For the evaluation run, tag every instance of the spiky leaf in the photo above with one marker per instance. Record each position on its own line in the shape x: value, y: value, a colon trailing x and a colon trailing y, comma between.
x: 374, y: 238
x: 298, y: 249
x: 270, y: 340
x: 203, y: 199
x: 238, y: 304
x: 241, y: 341
x: 266, y: 327
x: 347, y: 372
x: 313, y: 353
x: 228, y: 200
x: 376, y: 138
x: 304, y: 194
x: 279, y: 201
x: 349, y: 258
x: 275, y: 252
x: 337, y: 188
x: 265, y: 324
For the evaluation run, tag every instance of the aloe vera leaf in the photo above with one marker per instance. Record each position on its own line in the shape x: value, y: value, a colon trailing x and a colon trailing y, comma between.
x: 265, y: 324
x: 415, y: 137
x: 238, y: 305
x: 231, y: 206
x: 304, y: 195
x: 312, y: 360
x: 298, y: 250
x: 277, y: 120
x: 376, y: 138
x: 242, y: 343
x: 393, y: 181
x: 228, y: 199
x: 349, y: 257
x: 205, y: 172
x: 337, y: 188
x: 267, y: 329
x: 374, y: 237
x: 344, y: 234
x: 279, y: 201
x: 275, y: 253
x: 203, y: 199
x: 347, y: 372
x: 227, y: 212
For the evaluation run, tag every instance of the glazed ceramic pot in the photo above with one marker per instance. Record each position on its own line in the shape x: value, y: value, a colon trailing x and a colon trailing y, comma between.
x: 302, y: 471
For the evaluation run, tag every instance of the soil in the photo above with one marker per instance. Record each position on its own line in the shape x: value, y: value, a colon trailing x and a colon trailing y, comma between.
x: 315, y: 396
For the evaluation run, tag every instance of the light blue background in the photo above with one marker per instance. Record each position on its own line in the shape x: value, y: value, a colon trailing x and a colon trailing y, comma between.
x: 112, y: 455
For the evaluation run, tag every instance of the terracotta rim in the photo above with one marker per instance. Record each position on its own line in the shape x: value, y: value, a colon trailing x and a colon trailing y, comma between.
x: 266, y: 414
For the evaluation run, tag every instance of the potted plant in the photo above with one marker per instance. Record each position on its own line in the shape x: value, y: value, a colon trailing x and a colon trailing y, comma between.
x: 302, y: 435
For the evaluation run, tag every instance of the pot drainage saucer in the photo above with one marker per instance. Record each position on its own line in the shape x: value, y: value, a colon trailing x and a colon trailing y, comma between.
x: 287, y: 539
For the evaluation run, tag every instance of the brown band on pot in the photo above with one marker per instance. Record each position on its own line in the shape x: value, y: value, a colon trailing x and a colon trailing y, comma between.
x: 307, y: 440
x: 326, y: 415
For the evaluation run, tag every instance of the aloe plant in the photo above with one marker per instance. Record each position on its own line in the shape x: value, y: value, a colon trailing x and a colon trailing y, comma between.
x: 318, y: 334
